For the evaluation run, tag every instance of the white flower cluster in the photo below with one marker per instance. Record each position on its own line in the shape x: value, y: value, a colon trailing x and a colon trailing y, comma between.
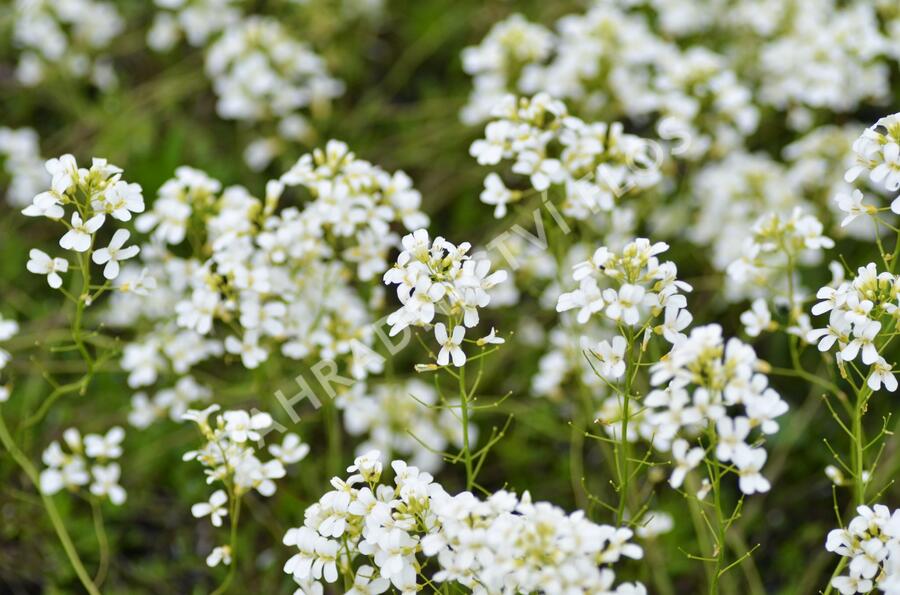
x: 403, y: 418
x: 872, y: 542
x: 733, y: 192
x: 630, y: 288
x: 776, y: 196
x: 263, y: 75
x: 386, y: 535
x: 861, y: 315
x: 594, y: 163
x: 778, y: 243
x: 354, y: 201
x: 8, y: 330
x: 231, y: 458
x: 877, y: 153
x: 171, y: 402
x: 644, y: 59
x: 825, y: 55
x: 94, y: 194
x: 69, y: 470
x: 608, y: 62
x: 68, y: 35
x: 510, y: 45
x: 196, y: 20
x: 21, y: 154
x: 441, y: 278
x: 564, y: 360
x: 200, y: 21
x: 277, y: 278
x: 712, y: 395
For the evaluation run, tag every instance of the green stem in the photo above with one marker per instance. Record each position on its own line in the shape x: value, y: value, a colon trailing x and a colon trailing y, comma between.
x: 464, y: 408
x: 576, y: 461
x: 859, y: 445
x: 624, y: 450
x: 699, y: 522
x: 79, y: 309
x: 834, y: 574
x: 235, y: 514
x: 720, y: 533
x: 50, y: 507
x: 102, y: 542
x: 335, y: 448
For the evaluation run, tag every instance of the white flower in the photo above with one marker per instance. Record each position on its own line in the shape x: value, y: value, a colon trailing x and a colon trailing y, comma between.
x: 140, y: 284
x: 366, y: 583
x: 45, y: 204
x: 852, y: 204
x: 863, y: 339
x: 64, y: 173
x: 8, y: 329
x: 849, y: 585
x: 79, y: 238
x: 291, y: 450
x: 686, y: 458
x: 623, y: 305
x: 105, y: 447
x: 491, y: 339
x: 838, y: 330
x: 888, y: 171
x: 757, y: 319
x: 731, y: 435
x: 106, y: 483
x: 612, y: 357
x: 881, y: 374
x: 676, y: 320
x: 121, y: 200
x: 220, y: 555
x: 749, y: 462
x: 450, y: 345
x: 215, y: 508
x: 831, y: 298
x: 40, y: 263
x: 252, y: 354
x: 113, y: 254
x: 241, y: 426
x: 496, y: 193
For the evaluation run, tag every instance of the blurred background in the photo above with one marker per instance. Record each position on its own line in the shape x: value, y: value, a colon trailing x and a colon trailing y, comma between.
x: 404, y: 89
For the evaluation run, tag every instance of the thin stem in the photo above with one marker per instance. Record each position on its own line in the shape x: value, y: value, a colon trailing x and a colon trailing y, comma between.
x: 698, y: 520
x: 50, y: 507
x: 834, y: 574
x: 102, y: 542
x: 858, y: 446
x: 464, y: 409
x: 720, y: 520
x: 235, y: 514
x: 333, y: 429
x: 624, y: 450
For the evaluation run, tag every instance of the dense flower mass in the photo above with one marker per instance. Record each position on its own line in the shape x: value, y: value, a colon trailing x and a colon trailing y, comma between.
x: 93, y: 195
x: 594, y: 162
x: 68, y: 36
x: 504, y: 543
x: 440, y: 278
x: 871, y: 541
x: 615, y: 288
x: 713, y: 394
x: 261, y: 73
x: 641, y: 289
x: 282, y: 277
x: 230, y: 457
x: 857, y: 311
x: 70, y: 470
